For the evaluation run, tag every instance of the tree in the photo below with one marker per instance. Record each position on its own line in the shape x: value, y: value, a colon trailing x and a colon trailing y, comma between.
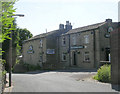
x: 24, y: 34
x: 6, y: 24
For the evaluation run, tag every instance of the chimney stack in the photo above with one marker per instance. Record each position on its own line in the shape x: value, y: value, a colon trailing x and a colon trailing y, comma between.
x: 109, y: 21
x: 61, y: 26
x: 68, y: 26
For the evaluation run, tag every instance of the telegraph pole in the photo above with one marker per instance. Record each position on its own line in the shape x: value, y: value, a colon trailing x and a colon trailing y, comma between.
x: 10, y: 52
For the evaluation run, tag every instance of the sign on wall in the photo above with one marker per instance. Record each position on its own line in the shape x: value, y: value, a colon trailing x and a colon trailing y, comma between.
x: 30, y: 49
x: 50, y: 51
x: 77, y: 47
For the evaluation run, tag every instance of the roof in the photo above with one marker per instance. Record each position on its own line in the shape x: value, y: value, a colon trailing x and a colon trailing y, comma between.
x: 85, y: 28
x: 43, y: 35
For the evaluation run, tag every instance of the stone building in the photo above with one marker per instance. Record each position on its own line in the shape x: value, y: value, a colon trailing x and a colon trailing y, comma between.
x: 86, y: 46
x: 43, y: 49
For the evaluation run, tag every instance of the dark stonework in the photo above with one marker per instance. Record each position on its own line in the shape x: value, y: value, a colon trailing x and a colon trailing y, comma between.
x: 115, y: 59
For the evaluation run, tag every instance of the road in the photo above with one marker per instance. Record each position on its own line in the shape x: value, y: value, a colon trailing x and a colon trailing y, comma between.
x: 58, y: 81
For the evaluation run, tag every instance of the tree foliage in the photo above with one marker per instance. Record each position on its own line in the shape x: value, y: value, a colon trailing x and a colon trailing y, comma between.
x: 7, y: 25
x: 24, y: 34
x: 6, y: 20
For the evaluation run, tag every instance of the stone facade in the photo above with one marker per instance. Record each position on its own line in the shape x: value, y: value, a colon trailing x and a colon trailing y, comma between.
x: 43, y: 49
x: 85, y: 47
x: 82, y: 47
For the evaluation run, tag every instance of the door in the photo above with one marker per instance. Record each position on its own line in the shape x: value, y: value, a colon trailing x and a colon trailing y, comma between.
x: 74, y: 58
x: 107, y: 54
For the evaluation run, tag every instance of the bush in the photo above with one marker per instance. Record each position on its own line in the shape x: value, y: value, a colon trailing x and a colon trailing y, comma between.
x: 32, y: 67
x: 104, y: 74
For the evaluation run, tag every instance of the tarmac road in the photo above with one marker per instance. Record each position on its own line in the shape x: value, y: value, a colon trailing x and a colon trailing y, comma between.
x: 58, y: 81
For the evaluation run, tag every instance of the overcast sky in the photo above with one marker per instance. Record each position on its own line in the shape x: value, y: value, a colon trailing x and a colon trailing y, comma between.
x: 48, y: 14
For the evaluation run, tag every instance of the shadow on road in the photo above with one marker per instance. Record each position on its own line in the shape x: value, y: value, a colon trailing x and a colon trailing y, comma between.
x: 66, y: 70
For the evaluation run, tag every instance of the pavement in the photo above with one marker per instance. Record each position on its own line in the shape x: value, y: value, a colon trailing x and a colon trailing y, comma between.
x: 57, y: 81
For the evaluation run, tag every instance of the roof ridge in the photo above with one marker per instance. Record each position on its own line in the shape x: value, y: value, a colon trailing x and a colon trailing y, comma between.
x: 85, y: 28
x: 89, y: 25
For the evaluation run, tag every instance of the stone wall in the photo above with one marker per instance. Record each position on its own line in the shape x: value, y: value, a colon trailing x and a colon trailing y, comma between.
x: 115, y: 60
x: 0, y: 78
x: 33, y: 58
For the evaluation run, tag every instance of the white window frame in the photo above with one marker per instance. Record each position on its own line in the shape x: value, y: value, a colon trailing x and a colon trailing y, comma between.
x: 74, y: 40
x: 86, y: 54
x: 86, y: 39
x: 41, y: 43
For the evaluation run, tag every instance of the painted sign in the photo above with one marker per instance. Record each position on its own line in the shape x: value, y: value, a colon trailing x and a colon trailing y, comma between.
x: 77, y: 47
x: 107, y: 35
x: 30, y: 50
x: 110, y: 29
x: 50, y: 51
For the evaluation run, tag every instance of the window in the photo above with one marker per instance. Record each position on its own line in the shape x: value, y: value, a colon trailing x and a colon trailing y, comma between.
x: 64, y: 57
x: 63, y: 41
x: 86, y: 38
x: 30, y: 47
x: 41, y: 44
x: 86, y: 56
x: 74, y: 40
x: 40, y: 58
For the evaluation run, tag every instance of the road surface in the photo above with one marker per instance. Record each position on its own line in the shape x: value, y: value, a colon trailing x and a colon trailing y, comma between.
x: 58, y: 81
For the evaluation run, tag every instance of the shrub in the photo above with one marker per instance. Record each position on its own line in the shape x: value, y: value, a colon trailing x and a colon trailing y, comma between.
x: 32, y: 67
x: 104, y: 74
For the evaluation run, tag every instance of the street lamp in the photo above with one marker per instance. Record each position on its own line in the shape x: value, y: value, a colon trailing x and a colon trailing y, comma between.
x: 10, y: 52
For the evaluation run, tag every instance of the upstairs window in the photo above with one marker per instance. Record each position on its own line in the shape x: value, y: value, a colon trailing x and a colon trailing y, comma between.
x: 41, y: 43
x: 74, y: 40
x: 86, y: 39
x: 63, y: 41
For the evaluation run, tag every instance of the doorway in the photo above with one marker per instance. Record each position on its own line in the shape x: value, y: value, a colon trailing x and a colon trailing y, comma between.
x: 107, y: 54
x: 74, y: 58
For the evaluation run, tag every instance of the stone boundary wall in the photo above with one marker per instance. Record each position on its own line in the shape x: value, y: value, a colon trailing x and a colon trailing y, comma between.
x: 115, y: 58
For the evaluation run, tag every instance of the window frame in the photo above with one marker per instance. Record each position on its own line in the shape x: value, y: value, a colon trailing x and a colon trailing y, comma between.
x: 64, y: 54
x: 41, y: 43
x: 86, y: 39
x: 86, y: 54
x: 74, y: 40
x: 41, y: 58
x: 63, y: 41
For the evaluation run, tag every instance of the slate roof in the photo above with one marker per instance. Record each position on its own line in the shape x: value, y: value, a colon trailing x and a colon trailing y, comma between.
x: 43, y: 35
x: 85, y: 28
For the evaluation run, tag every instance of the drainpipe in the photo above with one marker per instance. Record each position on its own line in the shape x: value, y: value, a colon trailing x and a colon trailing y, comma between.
x: 94, y: 48
x: 69, y: 51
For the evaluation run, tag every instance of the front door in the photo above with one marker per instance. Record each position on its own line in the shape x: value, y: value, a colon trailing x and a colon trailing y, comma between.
x: 107, y: 54
x: 74, y: 57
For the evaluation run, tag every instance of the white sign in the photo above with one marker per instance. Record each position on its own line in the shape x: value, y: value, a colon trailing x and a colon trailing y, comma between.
x: 77, y: 47
x: 50, y: 51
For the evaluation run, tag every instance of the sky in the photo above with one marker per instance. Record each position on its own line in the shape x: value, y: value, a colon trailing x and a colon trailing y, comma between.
x: 46, y: 15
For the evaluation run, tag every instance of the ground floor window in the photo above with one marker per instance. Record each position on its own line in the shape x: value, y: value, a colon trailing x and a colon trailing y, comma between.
x: 86, y: 56
x: 64, y: 57
x: 40, y: 58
